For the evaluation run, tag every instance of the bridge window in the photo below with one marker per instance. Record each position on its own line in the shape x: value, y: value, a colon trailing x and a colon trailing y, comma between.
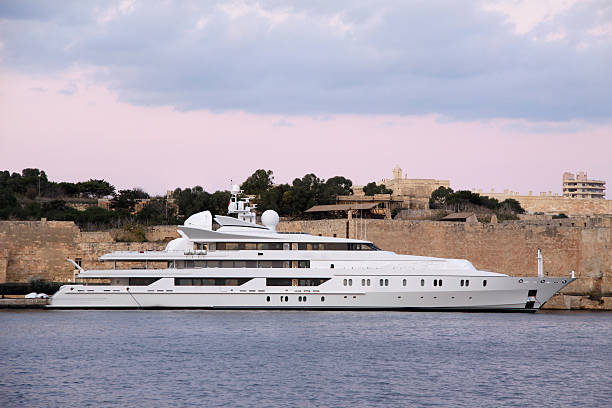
x: 295, y: 282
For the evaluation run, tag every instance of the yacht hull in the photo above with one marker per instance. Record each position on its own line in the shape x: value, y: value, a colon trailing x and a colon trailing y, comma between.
x: 502, y: 294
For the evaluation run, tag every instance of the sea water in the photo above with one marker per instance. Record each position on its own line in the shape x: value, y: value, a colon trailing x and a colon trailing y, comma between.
x: 299, y: 359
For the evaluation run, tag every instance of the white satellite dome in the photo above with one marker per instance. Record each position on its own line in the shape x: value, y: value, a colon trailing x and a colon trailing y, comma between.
x: 270, y: 219
x: 178, y: 244
x: 235, y: 189
x: 201, y: 220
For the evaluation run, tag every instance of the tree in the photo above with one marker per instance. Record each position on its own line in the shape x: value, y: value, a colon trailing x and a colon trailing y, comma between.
x: 511, y: 205
x: 438, y: 197
x: 371, y: 188
x: 99, y: 188
x: 334, y: 187
x: 258, y: 183
x: 126, y: 199
x: 192, y: 200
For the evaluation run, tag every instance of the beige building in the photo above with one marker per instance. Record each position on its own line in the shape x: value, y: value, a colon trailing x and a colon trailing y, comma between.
x: 412, y: 193
x: 579, y: 186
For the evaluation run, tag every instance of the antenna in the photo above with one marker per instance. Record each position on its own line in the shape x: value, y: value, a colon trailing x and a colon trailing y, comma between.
x: 540, y: 264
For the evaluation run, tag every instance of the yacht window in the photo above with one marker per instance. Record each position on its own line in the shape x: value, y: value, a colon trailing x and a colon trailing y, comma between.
x: 213, y: 264
x: 267, y: 298
x: 188, y: 264
x: 295, y: 282
x: 199, y: 264
x: 462, y: 282
x: 435, y: 282
x: 303, y: 264
x: 286, y: 246
x: 404, y: 282
x: 422, y: 282
x: 439, y: 282
x: 299, y: 298
x: 270, y: 246
x: 467, y: 282
x: 212, y: 246
x: 381, y: 282
x: 363, y: 282
x: 484, y: 282
x: 272, y: 264
x: 239, y: 264
x: 250, y: 246
x: 210, y: 281
x: 368, y: 282
x: 322, y: 298
x: 332, y: 266
x: 227, y: 264
x: 386, y: 282
x: 286, y: 298
x: 344, y: 282
x: 304, y: 298
x: 350, y: 282
x: 142, y: 281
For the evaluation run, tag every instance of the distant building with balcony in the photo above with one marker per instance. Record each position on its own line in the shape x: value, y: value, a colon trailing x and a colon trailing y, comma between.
x: 579, y: 186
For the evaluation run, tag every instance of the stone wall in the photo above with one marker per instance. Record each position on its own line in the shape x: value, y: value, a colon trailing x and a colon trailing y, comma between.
x: 553, y: 204
x: 40, y: 249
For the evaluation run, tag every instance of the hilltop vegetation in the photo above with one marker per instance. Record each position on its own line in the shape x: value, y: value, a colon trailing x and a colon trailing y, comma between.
x: 30, y: 195
x: 460, y: 201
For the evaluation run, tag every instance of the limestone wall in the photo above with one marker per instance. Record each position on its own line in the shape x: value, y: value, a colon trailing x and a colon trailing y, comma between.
x: 552, y: 204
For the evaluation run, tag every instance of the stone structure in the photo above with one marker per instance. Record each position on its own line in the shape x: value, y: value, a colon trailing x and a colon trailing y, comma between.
x: 412, y: 193
x: 39, y: 249
x: 579, y: 186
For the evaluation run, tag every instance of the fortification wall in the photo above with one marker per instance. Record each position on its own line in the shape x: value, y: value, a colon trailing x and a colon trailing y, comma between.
x: 509, y: 248
x: 549, y: 204
x: 38, y: 249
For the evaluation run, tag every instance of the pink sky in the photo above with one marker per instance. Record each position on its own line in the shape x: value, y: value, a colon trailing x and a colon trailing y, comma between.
x: 91, y: 134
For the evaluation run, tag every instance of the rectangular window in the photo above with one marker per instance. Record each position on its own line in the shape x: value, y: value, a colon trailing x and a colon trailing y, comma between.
x: 210, y: 281
x: 295, y: 282
x: 142, y: 281
x: 227, y: 264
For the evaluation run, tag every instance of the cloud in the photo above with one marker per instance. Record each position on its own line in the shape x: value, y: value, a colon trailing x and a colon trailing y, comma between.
x: 69, y: 89
x: 460, y: 61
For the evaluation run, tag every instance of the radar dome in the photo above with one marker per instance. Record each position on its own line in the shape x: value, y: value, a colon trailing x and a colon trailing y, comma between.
x: 270, y: 219
x: 235, y: 189
x: 178, y: 244
x: 202, y: 220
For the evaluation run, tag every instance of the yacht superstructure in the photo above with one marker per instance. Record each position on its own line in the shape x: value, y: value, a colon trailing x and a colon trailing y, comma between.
x: 244, y: 265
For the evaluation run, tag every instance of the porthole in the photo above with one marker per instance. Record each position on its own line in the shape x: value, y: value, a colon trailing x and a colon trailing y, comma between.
x: 299, y: 298
x: 344, y: 282
x: 422, y: 282
x: 368, y: 281
x: 381, y: 282
x: 467, y: 282
x: 282, y: 298
x: 363, y: 282
x: 439, y: 282
x: 462, y: 282
x: 267, y: 298
x: 435, y: 282
x: 484, y: 282
x: 304, y: 298
x: 386, y: 282
x: 350, y: 282
x: 322, y: 298
x: 542, y: 281
x: 286, y: 298
x: 404, y: 282
x: 520, y: 281
x: 563, y: 281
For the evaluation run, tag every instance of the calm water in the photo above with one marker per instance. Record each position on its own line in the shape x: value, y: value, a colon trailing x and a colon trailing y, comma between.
x: 340, y: 359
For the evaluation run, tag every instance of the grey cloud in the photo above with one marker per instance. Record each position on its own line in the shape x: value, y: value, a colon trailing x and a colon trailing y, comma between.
x: 449, y: 58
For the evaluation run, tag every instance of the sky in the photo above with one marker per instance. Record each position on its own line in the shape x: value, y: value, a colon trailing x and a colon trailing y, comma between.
x: 165, y: 94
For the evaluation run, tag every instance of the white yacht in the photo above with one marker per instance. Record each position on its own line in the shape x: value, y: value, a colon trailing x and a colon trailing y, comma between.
x: 244, y: 265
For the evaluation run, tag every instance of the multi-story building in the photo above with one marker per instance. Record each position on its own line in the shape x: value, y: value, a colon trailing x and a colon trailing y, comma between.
x: 579, y: 186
